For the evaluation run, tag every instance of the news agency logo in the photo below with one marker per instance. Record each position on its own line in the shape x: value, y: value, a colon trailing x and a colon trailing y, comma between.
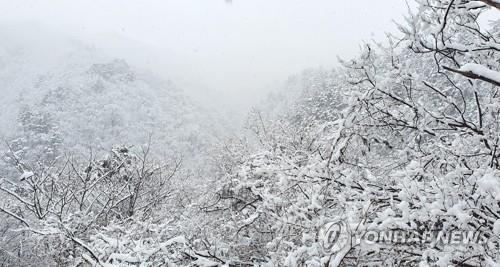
x: 337, y: 235
x: 333, y: 236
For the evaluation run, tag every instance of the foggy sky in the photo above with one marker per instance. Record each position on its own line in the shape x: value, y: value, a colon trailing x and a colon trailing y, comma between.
x: 234, y: 51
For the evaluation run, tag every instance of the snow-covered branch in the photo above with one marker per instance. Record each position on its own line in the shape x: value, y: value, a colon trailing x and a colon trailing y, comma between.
x: 493, y: 3
x: 477, y: 71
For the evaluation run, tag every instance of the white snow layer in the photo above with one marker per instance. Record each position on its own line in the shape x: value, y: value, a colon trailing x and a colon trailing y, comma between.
x: 481, y: 71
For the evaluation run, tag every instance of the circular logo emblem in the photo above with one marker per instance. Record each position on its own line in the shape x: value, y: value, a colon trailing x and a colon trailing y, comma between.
x: 333, y: 236
x: 493, y: 243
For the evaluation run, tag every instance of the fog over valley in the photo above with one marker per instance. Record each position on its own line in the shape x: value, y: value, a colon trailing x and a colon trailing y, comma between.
x: 237, y: 51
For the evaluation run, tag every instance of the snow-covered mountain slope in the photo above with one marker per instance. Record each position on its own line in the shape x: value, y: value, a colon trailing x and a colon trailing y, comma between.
x: 93, y: 101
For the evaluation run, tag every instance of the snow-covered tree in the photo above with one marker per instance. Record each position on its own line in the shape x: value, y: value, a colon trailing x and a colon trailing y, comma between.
x: 64, y: 205
x: 414, y: 148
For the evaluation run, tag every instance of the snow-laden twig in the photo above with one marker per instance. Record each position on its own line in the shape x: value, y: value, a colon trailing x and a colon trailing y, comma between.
x: 476, y: 71
x: 493, y: 3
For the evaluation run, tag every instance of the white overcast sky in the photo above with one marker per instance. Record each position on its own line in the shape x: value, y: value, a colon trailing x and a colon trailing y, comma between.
x: 238, y: 50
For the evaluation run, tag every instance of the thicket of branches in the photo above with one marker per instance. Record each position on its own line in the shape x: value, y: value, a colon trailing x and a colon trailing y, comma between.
x: 57, y: 211
x: 414, y: 147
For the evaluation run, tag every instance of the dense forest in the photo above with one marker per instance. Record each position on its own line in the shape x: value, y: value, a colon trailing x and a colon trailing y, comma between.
x: 403, y: 137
